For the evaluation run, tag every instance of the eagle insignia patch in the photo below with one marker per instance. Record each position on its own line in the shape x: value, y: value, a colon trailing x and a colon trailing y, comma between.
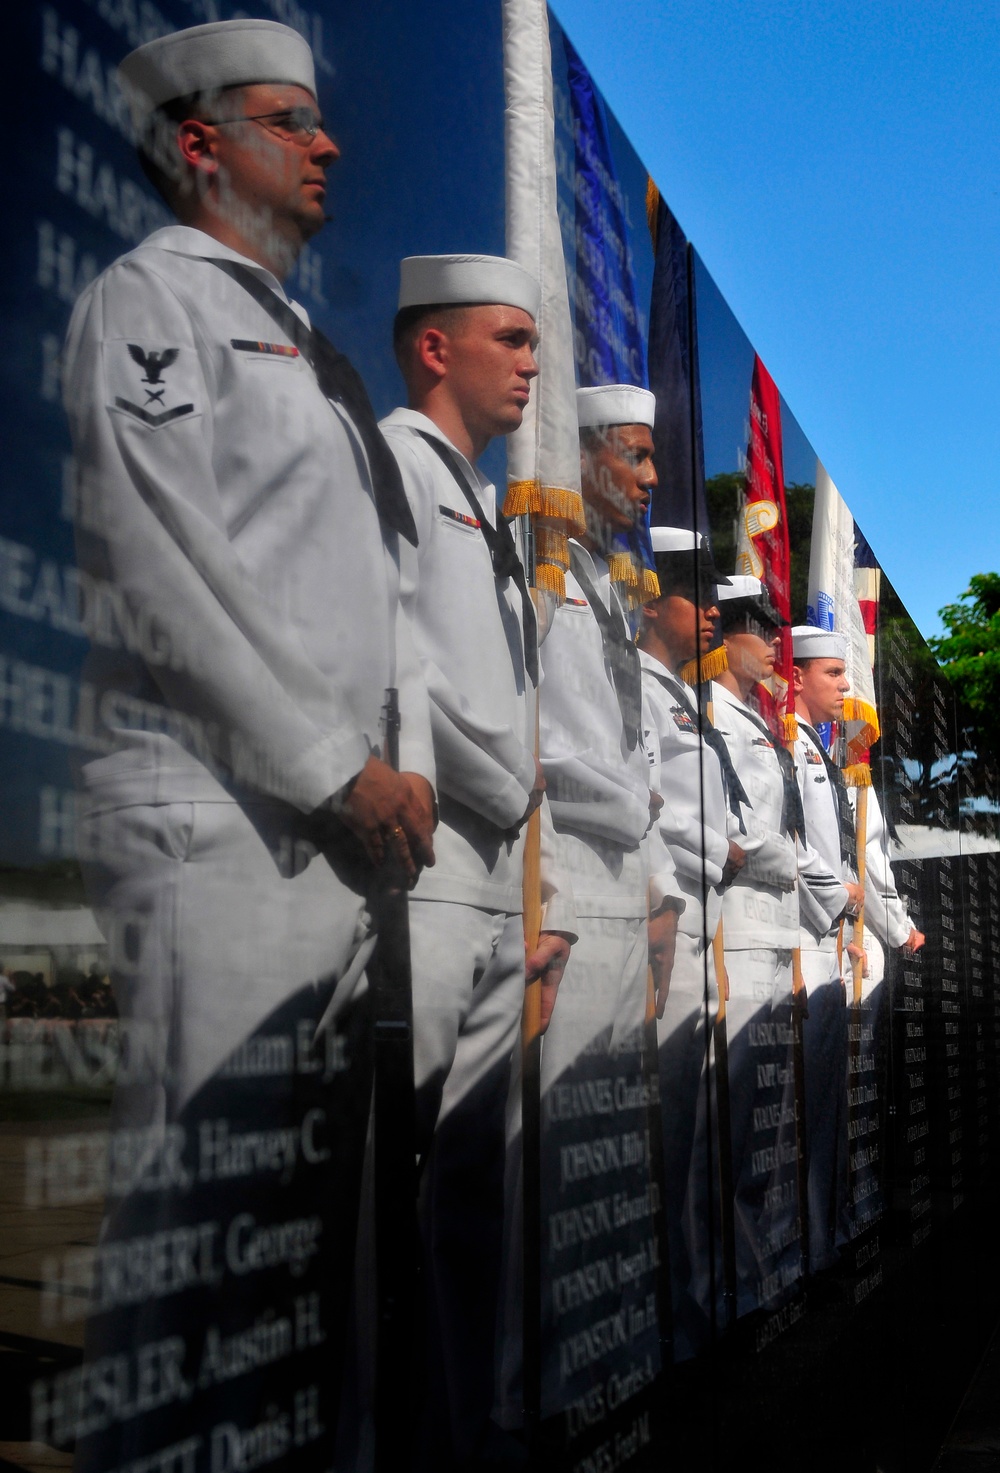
x: 152, y: 383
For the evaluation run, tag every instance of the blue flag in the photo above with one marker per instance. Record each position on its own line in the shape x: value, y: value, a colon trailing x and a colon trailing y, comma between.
x: 679, y: 499
x: 607, y: 316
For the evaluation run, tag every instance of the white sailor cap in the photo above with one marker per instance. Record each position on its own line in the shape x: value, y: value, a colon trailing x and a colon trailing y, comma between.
x: 676, y: 550
x: 224, y: 53
x: 745, y: 595
x: 742, y: 585
x: 439, y: 281
x: 811, y: 643
x: 615, y: 404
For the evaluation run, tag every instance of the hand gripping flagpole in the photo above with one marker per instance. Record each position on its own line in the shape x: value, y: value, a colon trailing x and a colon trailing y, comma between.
x: 543, y: 486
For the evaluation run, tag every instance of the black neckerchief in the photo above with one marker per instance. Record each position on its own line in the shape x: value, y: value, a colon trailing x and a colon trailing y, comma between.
x: 620, y: 654
x: 503, y: 553
x: 339, y: 380
x: 736, y: 794
x: 793, y: 819
x: 848, y: 838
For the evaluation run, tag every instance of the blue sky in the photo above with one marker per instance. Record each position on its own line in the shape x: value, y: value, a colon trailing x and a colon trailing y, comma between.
x: 836, y: 166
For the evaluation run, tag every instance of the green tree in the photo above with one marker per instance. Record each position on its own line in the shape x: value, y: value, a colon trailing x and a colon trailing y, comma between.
x: 969, y: 654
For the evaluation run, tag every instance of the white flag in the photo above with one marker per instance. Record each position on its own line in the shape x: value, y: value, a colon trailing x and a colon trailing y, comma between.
x: 543, y: 456
x: 833, y: 604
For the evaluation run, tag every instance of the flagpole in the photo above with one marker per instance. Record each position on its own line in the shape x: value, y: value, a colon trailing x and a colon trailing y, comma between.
x: 800, y: 1012
x: 861, y: 826
x: 543, y: 488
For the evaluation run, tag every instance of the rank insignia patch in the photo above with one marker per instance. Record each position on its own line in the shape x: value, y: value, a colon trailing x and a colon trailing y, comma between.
x: 152, y: 383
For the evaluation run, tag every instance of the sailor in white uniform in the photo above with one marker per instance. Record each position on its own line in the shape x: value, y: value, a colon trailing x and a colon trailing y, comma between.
x: 827, y: 892
x: 700, y: 792
x: 888, y: 924
x: 238, y: 503
x: 760, y: 918
x: 464, y: 340
x: 598, y: 784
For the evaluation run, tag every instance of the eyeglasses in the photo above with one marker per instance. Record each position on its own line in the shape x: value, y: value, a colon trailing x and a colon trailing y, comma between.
x: 297, y: 124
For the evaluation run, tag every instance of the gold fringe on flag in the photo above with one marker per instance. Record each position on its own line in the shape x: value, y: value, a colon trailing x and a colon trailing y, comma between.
x: 621, y: 566
x: 551, y: 557
x: 551, y: 545
x: 551, y: 579
x: 522, y: 497
x: 855, y: 710
x: 562, y: 505
x: 709, y: 667
x: 858, y: 775
x: 558, y: 514
x: 790, y: 722
x: 650, y: 584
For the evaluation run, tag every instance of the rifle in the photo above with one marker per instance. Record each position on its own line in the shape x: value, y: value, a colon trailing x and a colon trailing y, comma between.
x: 397, y: 1253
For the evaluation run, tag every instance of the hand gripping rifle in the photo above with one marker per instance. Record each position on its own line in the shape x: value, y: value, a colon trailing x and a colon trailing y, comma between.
x: 397, y: 1254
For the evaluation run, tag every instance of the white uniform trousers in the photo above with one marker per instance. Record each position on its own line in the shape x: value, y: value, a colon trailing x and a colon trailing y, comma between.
x: 762, y: 1118
x: 227, y: 932
x: 824, y: 1047
x: 216, y: 915
x: 689, y: 1145
x: 468, y: 991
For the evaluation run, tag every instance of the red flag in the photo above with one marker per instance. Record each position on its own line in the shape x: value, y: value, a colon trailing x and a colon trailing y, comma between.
x: 762, y: 547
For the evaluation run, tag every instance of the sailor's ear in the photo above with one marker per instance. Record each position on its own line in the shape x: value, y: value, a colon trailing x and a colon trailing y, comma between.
x: 431, y: 349
x: 197, y: 144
